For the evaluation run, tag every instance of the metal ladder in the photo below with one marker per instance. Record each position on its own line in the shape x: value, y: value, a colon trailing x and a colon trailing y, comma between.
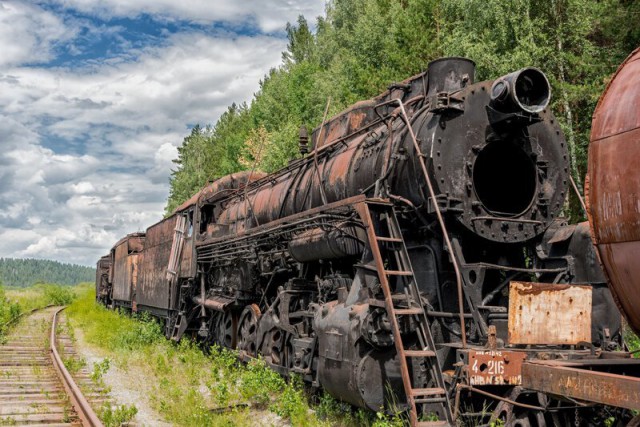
x: 387, y: 246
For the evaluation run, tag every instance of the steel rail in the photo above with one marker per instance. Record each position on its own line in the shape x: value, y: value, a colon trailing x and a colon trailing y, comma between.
x: 79, y: 402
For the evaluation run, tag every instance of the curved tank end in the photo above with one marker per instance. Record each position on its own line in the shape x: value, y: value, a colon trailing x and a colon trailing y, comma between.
x: 613, y: 192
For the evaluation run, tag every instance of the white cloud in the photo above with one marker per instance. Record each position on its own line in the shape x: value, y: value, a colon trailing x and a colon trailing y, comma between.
x: 83, y: 187
x: 270, y: 15
x: 29, y: 34
x: 85, y: 153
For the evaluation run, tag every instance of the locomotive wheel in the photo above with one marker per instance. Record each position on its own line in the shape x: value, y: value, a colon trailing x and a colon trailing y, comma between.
x: 225, y: 329
x: 248, y: 329
x: 273, y: 347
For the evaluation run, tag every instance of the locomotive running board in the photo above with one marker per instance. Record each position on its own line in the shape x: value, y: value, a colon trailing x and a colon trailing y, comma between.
x: 585, y: 380
x: 385, y: 238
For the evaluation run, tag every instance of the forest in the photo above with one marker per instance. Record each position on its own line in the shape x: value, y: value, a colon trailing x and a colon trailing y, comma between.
x: 26, y: 272
x: 359, y: 47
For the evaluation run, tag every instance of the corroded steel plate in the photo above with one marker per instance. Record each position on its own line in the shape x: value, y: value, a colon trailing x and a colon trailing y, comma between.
x: 614, y: 186
x: 577, y: 380
x: 546, y: 313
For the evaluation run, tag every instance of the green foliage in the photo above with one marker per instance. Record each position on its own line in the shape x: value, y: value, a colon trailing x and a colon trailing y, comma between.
x: 259, y: 383
x: 27, y: 272
x: 9, y: 311
x: 117, y: 416
x: 292, y: 404
x: 336, y: 412
x: 360, y: 46
x: 99, y: 369
x: 632, y: 340
x: 207, y: 154
x: 74, y: 364
x: 142, y: 333
x: 58, y: 295
x: 14, y: 302
x: 189, y: 387
x: 384, y: 420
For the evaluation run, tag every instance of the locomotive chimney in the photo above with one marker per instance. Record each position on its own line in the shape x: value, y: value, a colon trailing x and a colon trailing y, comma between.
x: 449, y: 75
x: 304, y: 141
x: 526, y: 90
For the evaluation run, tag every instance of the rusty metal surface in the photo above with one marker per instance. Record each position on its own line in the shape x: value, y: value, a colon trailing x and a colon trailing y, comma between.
x: 613, y: 191
x: 153, y: 288
x: 103, y: 286
x: 125, y: 256
x: 221, y: 187
x: 617, y: 109
x: 466, y: 181
x: 489, y: 183
x: 125, y: 269
x: 545, y: 313
x: 78, y: 400
x: 187, y: 258
x: 584, y: 384
x: 495, y: 367
x: 317, y: 243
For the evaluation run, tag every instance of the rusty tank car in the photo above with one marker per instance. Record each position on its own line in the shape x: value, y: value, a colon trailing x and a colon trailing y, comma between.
x: 614, y: 185
x: 417, y: 254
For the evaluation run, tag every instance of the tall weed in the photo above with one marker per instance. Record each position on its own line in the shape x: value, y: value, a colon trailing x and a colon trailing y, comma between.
x: 16, y: 301
x: 8, y: 312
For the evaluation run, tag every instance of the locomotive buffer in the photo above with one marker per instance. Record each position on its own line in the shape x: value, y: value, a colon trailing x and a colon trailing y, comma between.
x: 388, y: 247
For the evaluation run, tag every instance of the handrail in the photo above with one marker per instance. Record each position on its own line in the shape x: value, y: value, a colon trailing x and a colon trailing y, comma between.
x: 432, y: 194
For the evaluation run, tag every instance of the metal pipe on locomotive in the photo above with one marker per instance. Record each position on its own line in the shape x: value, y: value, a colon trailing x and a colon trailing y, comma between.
x: 417, y: 254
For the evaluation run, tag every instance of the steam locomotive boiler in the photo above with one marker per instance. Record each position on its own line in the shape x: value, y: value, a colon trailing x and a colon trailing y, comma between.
x: 416, y: 255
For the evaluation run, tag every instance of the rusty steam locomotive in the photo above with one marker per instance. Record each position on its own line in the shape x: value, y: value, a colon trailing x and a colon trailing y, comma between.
x: 416, y: 253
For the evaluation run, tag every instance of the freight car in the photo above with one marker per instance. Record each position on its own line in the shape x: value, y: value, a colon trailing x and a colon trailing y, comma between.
x: 103, y: 282
x: 417, y: 255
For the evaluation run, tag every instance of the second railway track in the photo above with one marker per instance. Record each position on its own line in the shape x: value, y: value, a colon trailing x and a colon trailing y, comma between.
x: 35, y: 387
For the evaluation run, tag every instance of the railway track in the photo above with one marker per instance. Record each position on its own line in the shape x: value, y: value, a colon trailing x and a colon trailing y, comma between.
x: 35, y: 386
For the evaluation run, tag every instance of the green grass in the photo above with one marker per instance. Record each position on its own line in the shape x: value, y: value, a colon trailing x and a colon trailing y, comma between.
x: 632, y: 340
x: 15, y: 301
x: 116, y: 416
x: 190, y: 388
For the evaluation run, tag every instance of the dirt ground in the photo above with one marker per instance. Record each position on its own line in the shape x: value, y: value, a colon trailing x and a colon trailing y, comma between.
x: 127, y: 387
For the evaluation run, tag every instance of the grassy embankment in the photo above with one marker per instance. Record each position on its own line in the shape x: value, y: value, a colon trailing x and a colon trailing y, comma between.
x: 190, y: 388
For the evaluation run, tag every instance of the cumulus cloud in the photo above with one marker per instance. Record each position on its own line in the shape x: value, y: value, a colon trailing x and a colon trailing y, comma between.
x: 269, y: 15
x: 29, y: 34
x: 86, y: 150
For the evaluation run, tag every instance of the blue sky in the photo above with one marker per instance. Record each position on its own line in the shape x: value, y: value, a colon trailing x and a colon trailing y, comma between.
x: 95, y: 97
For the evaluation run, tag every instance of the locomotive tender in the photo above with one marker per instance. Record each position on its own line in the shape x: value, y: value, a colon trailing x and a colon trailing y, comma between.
x: 417, y: 254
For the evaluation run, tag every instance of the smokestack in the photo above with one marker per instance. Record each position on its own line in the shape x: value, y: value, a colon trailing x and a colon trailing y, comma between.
x: 449, y: 75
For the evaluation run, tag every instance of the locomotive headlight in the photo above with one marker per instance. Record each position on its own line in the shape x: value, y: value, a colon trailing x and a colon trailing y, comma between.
x: 526, y: 90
